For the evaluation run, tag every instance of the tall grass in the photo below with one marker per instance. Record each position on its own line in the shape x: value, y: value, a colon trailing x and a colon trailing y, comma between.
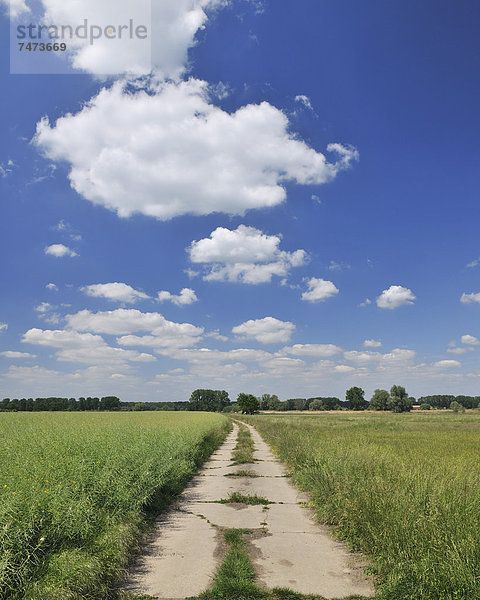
x: 75, y: 489
x: 404, y: 489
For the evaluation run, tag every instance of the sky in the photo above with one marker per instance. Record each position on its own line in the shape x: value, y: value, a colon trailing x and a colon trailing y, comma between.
x: 263, y: 196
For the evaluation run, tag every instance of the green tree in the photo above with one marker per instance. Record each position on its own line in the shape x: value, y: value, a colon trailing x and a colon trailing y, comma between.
x: 399, y: 400
x: 457, y: 407
x: 248, y: 403
x: 316, y: 404
x: 425, y: 406
x: 380, y: 400
x: 355, y: 396
x: 208, y: 400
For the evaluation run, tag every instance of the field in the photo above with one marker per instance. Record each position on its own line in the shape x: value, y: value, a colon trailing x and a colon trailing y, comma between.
x: 404, y: 489
x: 76, y: 489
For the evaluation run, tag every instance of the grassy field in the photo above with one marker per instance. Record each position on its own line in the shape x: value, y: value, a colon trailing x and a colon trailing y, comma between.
x: 77, y: 488
x: 404, y: 489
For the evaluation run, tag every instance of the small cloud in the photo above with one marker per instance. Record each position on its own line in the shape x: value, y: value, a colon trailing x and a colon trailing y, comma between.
x: 52, y: 287
x: 220, y: 90
x: 447, y: 364
x: 344, y: 369
x: 304, y: 100
x: 267, y: 331
x: 116, y: 292
x: 394, y: 297
x: 186, y: 296
x: 316, y: 198
x: 3, y: 326
x: 470, y: 298
x: 459, y: 350
x: 6, y: 168
x: 319, y: 290
x: 366, y: 302
x: 44, y: 307
x: 60, y: 250
x: 336, y: 266
x: 470, y: 340
x: 217, y: 336
x: 12, y: 354
x: 372, y: 344
x: 473, y: 264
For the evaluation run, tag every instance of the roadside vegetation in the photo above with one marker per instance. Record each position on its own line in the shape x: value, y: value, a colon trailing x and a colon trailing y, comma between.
x: 235, y: 579
x: 243, y: 452
x: 77, y: 489
x: 404, y: 489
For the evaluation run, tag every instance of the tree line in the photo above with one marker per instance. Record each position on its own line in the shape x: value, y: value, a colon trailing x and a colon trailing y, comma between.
x: 395, y: 400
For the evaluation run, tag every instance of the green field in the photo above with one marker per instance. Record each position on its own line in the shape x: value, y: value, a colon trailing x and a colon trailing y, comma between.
x: 404, y: 489
x: 76, y: 489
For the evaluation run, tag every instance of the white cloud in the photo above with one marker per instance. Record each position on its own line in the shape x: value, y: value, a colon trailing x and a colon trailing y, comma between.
x: 394, y: 297
x: 82, y: 347
x: 59, y: 250
x: 362, y: 357
x: 336, y: 266
x: 3, y: 326
x: 13, y: 354
x: 312, y: 350
x: 304, y: 100
x: 245, y: 255
x: 117, y: 292
x: 52, y: 287
x: 163, y: 333
x: 43, y: 307
x: 15, y: 7
x: 470, y: 340
x: 186, y: 296
x: 372, y: 344
x: 171, y: 29
x: 473, y: 264
x: 343, y: 369
x: 6, y: 168
x: 267, y: 331
x: 470, y: 298
x: 319, y: 290
x: 366, y: 302
x: 459, y: 350
x: 172, y: 152
x: 447, y: 364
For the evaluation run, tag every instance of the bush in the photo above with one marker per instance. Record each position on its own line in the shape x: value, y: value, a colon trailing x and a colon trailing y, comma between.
x: 457, y: 407
x: 425, y: 406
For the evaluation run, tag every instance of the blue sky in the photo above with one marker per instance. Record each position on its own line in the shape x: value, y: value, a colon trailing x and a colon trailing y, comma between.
x: 307, y: 174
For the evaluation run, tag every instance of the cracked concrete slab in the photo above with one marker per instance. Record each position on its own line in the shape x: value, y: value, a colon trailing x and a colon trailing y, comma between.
x: 230, y: 516
x: 171, y: 565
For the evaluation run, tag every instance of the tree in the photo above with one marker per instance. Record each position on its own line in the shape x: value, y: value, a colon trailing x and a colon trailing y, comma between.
x: 399, y: 400
x: 248, y: 403
x: 425, y: 406
x: 355, y: 396
x: 269, y: 402
x: 209, y: 400
x: 316, y: 404
x: 109, y: 403
x: 457, y: 407
x: 380, y: 400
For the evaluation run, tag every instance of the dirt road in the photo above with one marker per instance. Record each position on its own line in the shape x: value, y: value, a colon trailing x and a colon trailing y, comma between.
x: 288, y: 549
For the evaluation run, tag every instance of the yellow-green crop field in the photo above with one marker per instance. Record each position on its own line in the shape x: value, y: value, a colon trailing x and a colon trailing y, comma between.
x: 76, y: 488
x: 404, y: 489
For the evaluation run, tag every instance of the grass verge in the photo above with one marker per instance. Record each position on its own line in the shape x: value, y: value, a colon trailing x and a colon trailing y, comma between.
x: 243, y: 451
x: 77, y: 491
x: 403, y: 489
